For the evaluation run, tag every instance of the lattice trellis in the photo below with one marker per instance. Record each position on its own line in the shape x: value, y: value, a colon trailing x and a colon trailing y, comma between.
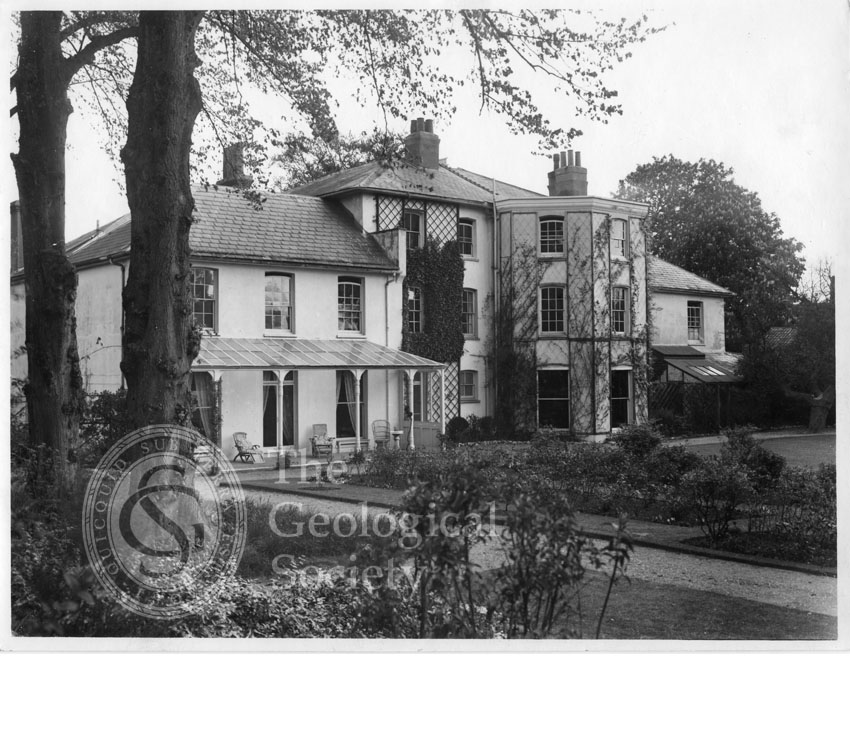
x: 439, y: 221
x: 452, y: 382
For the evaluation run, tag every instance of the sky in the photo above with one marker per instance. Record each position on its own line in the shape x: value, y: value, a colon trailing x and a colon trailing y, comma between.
x: 758, y: 85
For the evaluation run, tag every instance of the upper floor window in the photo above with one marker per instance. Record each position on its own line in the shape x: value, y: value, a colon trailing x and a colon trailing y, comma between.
x: 551, y: 235
x: 466, y: 237
x: 695, y: 331
x: 350, y: 304
x: 279, y: 302
x: 469, y: 309
x: 618, y: 239
x: 411, y: 221
x: 619, y: 310
x: 468, y: 384
x: 414, y: 310
x: 204, y: 285
x: 552, y: 310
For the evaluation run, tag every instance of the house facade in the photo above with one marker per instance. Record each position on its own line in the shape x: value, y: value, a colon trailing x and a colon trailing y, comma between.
x: 311, y: 315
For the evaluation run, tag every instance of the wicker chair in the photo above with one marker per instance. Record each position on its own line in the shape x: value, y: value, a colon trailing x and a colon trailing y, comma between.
x: 321, y: 443
x: 381, y: 433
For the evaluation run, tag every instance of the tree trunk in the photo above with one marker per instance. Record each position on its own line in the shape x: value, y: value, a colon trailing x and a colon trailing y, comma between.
x: 54, y: 388
x: 160, y: 340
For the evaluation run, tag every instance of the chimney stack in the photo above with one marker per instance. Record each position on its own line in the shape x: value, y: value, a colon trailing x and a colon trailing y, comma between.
x: 422, y: 144
x: 569, y: 177
x: 233, y: 170
x: 17, y: 239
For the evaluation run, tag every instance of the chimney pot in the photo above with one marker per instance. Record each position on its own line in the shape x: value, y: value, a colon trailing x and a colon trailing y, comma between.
x: 578, y: 158
x: 563, y: 159
x: 422, y: 144
x: 555, y: 159
x: 570, y: 158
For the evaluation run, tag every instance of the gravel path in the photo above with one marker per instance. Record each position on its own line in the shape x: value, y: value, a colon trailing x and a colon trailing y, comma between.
x: 766, y: 585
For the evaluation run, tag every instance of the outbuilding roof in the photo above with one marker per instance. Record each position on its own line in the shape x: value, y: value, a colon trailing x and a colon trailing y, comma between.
x: 285, y: 228
x: 665, y: 277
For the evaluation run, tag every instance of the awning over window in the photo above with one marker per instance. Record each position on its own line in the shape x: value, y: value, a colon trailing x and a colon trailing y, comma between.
x: 705, y: 370
x: 300, y: 353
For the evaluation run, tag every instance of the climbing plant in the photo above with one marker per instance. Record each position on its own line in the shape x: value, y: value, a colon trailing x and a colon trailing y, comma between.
x: 437, y: 270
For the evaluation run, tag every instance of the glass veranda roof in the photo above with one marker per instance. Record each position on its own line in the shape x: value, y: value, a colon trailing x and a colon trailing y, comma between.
x: 301, y: 353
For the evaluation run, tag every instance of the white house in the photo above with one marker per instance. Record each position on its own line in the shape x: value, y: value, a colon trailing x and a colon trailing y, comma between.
x: 306, y: 307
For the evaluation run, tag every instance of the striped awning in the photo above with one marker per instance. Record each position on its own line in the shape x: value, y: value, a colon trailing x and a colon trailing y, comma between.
x: 301, y: 353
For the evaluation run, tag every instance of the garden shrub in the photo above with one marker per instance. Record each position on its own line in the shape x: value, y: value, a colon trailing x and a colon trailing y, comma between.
x: 455, y: 427
x: 716, y: 490
x: 763, y: 466
x: 637, y: 440
x: 104, y: 423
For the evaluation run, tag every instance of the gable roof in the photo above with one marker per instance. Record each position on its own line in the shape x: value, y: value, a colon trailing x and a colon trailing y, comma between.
x: 445, y: 183
x: 288, y: 229
x: 665, y: 277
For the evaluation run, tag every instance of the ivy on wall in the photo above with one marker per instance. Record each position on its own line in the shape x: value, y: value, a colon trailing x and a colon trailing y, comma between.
x: 438, y: 272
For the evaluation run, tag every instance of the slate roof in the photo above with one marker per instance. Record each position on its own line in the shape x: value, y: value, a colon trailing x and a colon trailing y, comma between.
x: 780, y: 337
x: 288, y: 229
x: 665, y: 277
x: 294, y: 353
x: 444, y: 183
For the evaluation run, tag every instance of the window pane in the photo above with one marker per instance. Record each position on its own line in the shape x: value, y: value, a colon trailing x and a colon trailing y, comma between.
x: 468, y: 380
x: 278, y: 302
x: 349, y: 305
x: 553, y: 384
x: 618, y: 238
x: 619, y: 297
x: 203, y: 284
x: 552, y: 309
x: 469, y: 312
x: 411, y: 222
x: 464, y: 238
x: 620, y: 397
x: 551, y: 236
x: 414, y: 310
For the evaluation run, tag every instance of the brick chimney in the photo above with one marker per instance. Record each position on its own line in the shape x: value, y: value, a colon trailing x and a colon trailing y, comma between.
x: 17, y: 239
x: 233, y: 171
x: 569, y: 177
x: 422, y: 145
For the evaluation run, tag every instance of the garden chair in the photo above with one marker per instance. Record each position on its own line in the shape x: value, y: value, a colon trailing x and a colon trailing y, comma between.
x: 381, y: 433
x: 245, y: 450
x: 322, y: 444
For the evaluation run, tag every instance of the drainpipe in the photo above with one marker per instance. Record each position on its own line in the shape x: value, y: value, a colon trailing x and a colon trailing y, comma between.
x: 494, y: 266
x: 390, y: 280
x: 121, y: 266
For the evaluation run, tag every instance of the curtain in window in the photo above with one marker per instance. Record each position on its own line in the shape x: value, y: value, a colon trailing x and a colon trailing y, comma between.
x: 203, y: 391
x: 348, y: 378
x: 288, y: 412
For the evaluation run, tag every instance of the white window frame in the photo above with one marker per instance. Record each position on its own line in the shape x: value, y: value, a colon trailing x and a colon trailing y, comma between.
x: 419, y: 231
x: 619, y: 246
x: 414, y: 297
x: 563, y: 318
x: 547, y: 242
x: 471, y: 240
x: 290, y: 317
x: 474, y: 314
x: 700, y: 326
x: 474, y: 376
x: 624, y: 311
x: 214, y: 299
x: 341, y: 326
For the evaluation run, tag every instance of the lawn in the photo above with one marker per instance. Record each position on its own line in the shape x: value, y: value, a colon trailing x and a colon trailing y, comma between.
x: 644, y: 610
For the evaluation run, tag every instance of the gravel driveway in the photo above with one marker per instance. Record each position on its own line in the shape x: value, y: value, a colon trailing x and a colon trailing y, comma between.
x: 766, y: 585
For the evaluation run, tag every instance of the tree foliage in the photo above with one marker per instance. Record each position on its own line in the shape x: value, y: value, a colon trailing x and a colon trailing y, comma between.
x: 306, y: 159
x: 701, y: 220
